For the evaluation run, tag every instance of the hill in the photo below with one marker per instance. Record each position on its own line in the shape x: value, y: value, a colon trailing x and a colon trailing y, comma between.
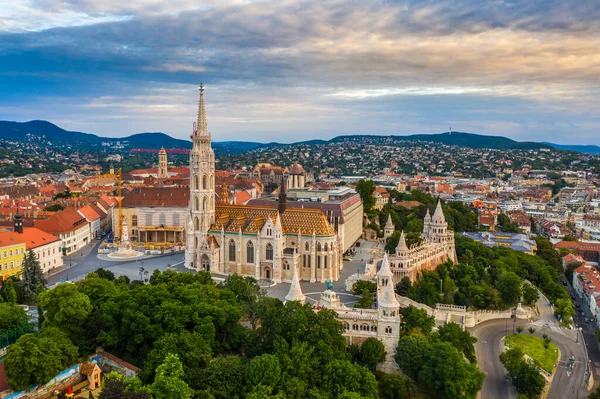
x: 156, y: 140
x: 584, y: 149
x: 469, y: 140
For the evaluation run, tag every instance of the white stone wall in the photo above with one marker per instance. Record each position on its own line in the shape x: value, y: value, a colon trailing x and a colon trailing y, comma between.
x: 49, y: 255
x: 352, y: 228
x: 77, y: 239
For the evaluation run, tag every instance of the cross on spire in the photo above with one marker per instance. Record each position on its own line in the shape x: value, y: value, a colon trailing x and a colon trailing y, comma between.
x: 201, y: 124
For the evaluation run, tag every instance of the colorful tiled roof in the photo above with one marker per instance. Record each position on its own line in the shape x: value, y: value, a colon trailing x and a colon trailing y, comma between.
x: 250, y: 219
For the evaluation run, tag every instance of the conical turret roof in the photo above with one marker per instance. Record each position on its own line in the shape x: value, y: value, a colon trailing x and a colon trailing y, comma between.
x: 438, y: 215
x: 389, y: 224
x: 295, y: 293
x: 388, y: 299
x: 385, y: 270
x: 402, y: 243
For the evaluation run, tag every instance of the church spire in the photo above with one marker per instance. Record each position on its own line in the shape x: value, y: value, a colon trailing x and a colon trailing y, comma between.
x: 201, y: 127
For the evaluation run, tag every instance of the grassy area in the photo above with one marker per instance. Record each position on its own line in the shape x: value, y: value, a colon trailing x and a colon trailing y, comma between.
x: 534, y: 347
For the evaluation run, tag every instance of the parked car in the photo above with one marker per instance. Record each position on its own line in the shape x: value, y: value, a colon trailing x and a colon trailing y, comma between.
x: 586, y: 320
x: 582, y: 313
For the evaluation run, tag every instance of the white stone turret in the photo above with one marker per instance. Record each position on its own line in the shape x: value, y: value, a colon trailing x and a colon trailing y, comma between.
x: 401, y: 247
x: 384, y: 275
x: 438, y: 228
x: 388, y: 302
x: 388, y: 230
x: 295, y: 293
x: 426, y: 224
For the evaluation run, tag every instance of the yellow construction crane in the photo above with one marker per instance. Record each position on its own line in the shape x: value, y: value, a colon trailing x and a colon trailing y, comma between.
x: 119, y: 177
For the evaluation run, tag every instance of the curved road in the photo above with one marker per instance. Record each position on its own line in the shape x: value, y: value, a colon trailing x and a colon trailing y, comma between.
x: 488, y: 347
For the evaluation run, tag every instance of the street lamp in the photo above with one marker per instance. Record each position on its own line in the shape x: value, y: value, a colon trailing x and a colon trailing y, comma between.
x: 141, y: 269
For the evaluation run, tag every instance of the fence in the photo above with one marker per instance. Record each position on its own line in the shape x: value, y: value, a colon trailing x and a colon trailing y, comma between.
x: 10, y: 337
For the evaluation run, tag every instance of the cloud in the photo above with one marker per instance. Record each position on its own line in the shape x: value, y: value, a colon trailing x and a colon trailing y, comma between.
x: 308, y: 66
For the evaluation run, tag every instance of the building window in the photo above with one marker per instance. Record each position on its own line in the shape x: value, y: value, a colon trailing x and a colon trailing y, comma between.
x: 204, y: 183
x: 134, y: 221
x: 269, y: 252
x: 231, y: 251
x: 10, y: 253
x: 286, y: 265
x: 318, y: 262
x: 196, y: 204
x: 197, y: 224
x: 326, y: 247
x: 195, y: 182
x: 12, y: 264
x: 319, y: 247
x: 250, y: 252
x: 306, y: 247
x: 303, y: 260
x: 18, y: 263
x: 324, y: 262
x: 388, y: 330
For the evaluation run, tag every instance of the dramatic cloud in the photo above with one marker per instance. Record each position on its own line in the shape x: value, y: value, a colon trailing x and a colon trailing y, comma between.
x: 290, y: 70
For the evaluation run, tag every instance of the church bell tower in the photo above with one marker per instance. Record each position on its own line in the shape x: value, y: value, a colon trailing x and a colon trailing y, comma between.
x: 202, y: 188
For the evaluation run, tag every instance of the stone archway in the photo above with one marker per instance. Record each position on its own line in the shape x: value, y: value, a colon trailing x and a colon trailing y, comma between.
x: 205, y: 262
x: 268, y: 273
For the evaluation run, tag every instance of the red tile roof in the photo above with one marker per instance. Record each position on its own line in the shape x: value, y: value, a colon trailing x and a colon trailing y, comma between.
x: 89, y: 213
x: 31, y: 236
x: 62, y: 222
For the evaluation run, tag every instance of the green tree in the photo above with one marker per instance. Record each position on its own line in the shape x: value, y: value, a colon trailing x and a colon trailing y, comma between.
x: 169, y: 383
x: 511, y: 358
x: 105, y: 274
x: 563, y: 307
x: 509, y: 286
x: 66, y: 308
x: 35, y: 359
x: 192, y: 350
x: 117, y: 386
x: 461, y: 339
x: 404, y: 287
x: 366, y: 188
x: 32, y: 274
x: 340, y: 376
x: 264, y: 370
x: 528, y: 380
x: 393, y: 386
x: 223, y: 378
x: 9, y: 292
x: 372, y: 352
x: 412, y: 353
x: 530, y: 294
x: 365, y: 301
x: 449, y: 375
x: 595, y: 394
x: 11, y: 317
x: 416, y: 319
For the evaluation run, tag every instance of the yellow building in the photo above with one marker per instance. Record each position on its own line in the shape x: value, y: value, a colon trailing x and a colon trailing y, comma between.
x: 12, y: 251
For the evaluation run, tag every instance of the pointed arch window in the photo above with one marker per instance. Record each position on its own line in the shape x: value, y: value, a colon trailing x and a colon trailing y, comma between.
x: 232, y: 250
x: 195, y: 182
x: 250, y: 252
x: 269, y: 252
x: 204, y: 182
x: 196, y: 204
x: 306, y: 247
x: 197, y: 224
x: 319, y: 247
x: 326, y: 248
x: 204, y: 207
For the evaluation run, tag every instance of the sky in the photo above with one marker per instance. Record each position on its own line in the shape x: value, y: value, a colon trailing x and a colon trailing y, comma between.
x: 292, y: 70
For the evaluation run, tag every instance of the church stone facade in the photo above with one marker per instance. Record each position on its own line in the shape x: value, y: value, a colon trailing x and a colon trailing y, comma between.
x: 265, y: 242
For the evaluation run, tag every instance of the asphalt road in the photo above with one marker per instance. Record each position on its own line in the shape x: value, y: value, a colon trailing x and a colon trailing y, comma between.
x: 489, y: 347
x: 78, y: 265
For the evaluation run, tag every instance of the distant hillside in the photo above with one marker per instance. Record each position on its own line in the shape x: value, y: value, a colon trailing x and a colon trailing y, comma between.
x: 55, y: 134
x: 584, y: 149
x: 469, y: 140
